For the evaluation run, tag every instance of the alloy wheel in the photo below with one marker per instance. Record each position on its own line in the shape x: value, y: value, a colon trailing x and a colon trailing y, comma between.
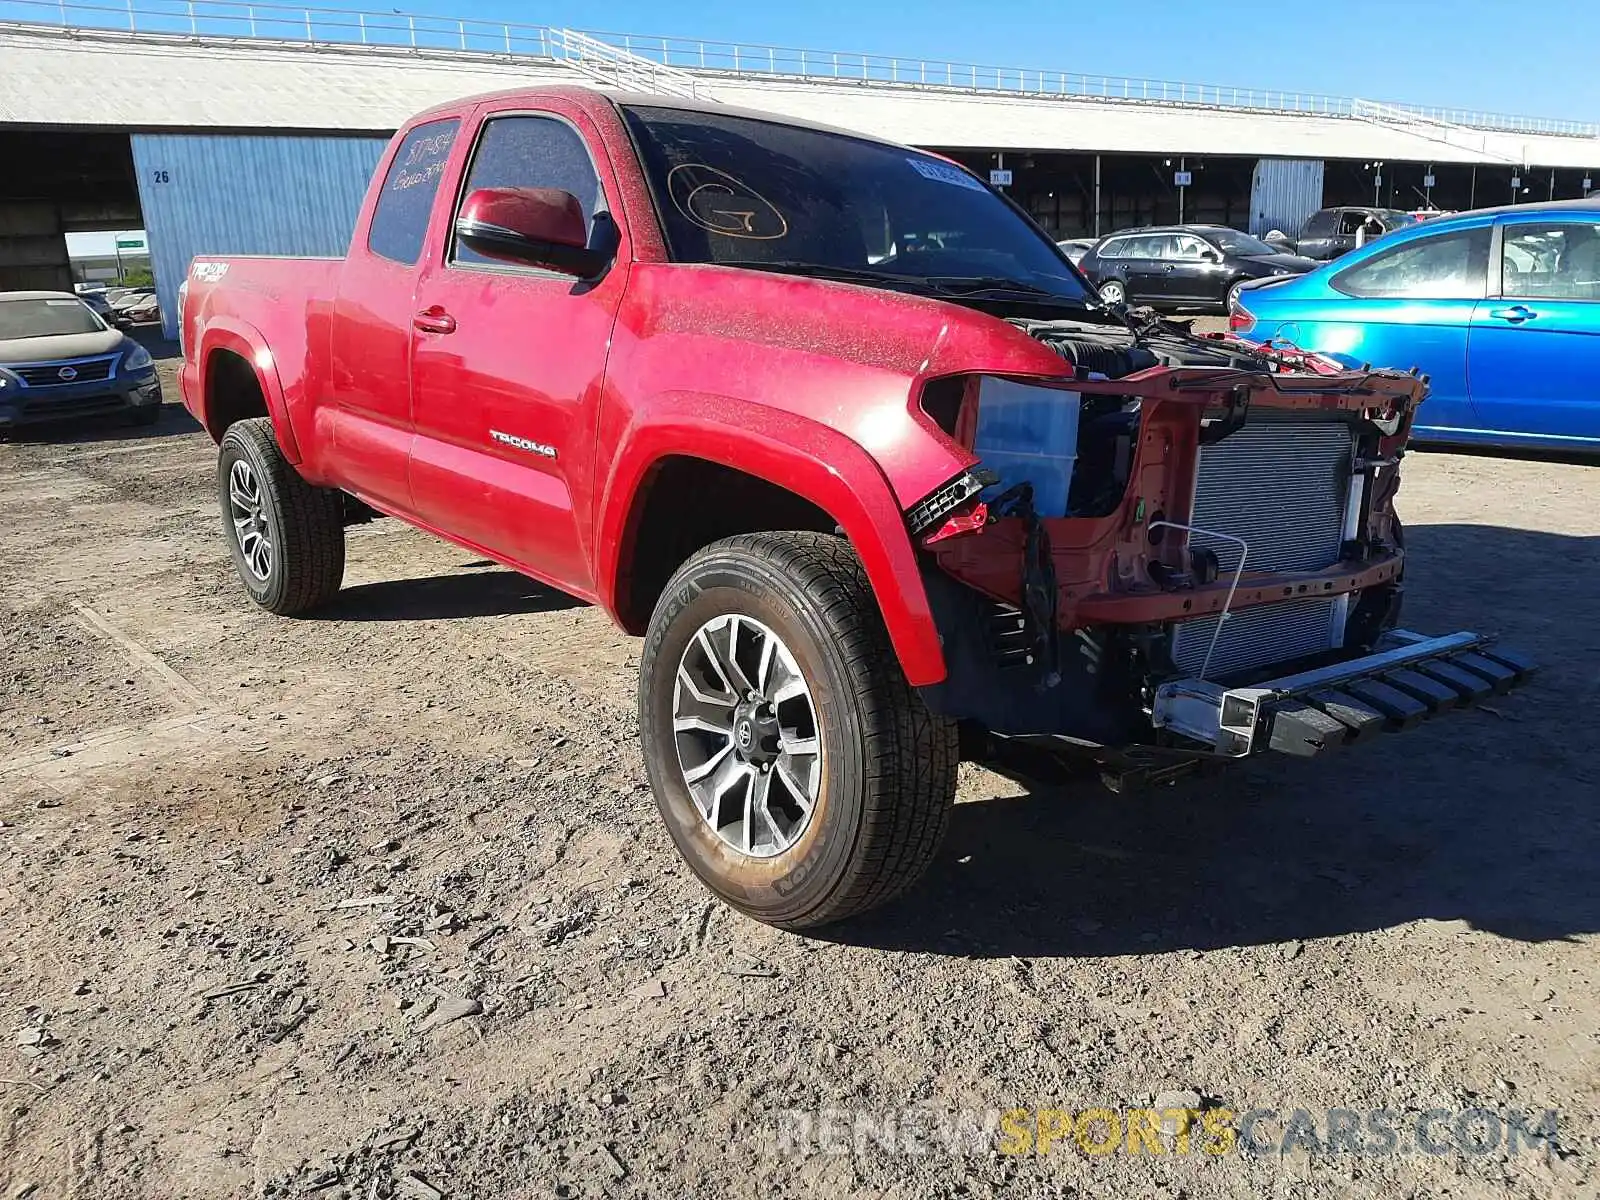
x: 248, y: 512
x: 748, y: 740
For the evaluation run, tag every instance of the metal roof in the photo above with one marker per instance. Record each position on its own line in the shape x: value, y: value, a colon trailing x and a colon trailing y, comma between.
x: 54, y: 78
x: 57, y: 77
x: 976, y: 121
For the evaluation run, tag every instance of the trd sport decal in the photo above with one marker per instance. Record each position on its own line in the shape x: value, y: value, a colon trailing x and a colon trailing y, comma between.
x: 521, y: 443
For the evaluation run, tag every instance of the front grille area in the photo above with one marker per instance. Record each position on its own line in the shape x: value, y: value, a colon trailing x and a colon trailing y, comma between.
x: 1256, y: 637
x: 75, y: 407
x: 1281, y: 486
x: 93, y: 370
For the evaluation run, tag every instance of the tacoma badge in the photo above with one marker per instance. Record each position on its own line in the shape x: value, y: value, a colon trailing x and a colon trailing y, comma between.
x: 521, y: 443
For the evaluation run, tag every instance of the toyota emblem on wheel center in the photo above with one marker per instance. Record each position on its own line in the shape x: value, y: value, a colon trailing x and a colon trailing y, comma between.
x: 68, y: 373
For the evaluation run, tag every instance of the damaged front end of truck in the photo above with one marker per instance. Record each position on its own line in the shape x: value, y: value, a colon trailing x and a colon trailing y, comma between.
x: 1182, y: 551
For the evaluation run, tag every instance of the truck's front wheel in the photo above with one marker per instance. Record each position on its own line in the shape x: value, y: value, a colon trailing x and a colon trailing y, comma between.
x: 799, y: 774
x: 287, y: 536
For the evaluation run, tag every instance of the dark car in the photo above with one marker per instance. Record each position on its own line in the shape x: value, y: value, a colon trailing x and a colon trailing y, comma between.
x: 59, y: 359
x: 1330, y: 232
x: 1183, y: 266
x: 122, y: 308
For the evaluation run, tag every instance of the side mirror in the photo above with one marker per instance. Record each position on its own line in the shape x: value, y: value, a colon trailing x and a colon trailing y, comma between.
x: 537, y: 227
x: 1210, y: 256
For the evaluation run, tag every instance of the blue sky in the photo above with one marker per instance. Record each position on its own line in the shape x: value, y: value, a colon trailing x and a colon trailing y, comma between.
x: 88, y: 244
x: 1492, y: 55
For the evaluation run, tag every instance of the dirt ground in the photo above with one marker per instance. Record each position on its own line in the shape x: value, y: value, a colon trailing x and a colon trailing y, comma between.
x: 377, y: 904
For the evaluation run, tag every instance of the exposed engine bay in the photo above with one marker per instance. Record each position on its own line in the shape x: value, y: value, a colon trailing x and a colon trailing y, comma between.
x: 1107, y: 425
x: 1175, y: 510
x: 1148, y: 340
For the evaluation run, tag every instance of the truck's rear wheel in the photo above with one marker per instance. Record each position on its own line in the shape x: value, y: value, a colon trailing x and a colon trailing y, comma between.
x: 286, y: 536
x: 799, y: 774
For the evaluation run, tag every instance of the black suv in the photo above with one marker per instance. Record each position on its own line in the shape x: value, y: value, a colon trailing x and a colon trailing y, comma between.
x: 1183, y: 266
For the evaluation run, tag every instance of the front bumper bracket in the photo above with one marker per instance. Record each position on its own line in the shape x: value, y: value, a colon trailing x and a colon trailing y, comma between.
x: 1408, y: 678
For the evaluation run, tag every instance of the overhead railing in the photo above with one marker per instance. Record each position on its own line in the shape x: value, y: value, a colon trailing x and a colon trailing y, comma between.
x: 680, y: 62
x: 617, y: 66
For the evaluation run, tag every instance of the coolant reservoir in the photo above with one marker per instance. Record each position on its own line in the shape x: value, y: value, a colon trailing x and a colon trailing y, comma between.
x: 1028, y: 434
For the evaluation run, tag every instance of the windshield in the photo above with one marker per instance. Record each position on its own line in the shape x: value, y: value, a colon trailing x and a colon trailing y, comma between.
x: 1234, y: 242
x: 45, y: 318
x: 757, y: 193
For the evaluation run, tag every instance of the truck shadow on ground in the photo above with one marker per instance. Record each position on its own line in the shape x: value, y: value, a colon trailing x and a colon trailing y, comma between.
x: 1489, y: 816
x: 446, y: 597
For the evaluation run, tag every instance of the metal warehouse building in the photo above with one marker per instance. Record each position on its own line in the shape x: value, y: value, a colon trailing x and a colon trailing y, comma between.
x: 254, y: 128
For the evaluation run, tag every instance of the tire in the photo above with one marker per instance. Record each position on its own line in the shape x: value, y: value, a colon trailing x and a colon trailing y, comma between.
x: 302, y: 563
x: 883, y: 777
x: 1112, y: 292
x: 145, y: 414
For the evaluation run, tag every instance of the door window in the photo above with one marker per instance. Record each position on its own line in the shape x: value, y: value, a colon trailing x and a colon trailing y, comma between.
x: 1349, y: 222
x: 400, y: 220
x: 1448, y: 266
x: 1151, y: 245
x: 1188, y: 248
x: 531, y: 152
x: 1551, y: 262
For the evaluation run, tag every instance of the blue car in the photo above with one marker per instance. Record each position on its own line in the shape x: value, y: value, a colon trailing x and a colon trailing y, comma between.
x: 1500, y: 307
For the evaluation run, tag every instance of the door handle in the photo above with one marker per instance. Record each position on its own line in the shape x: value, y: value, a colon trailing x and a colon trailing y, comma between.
x: 1516, y: 314
x: 1168, y: 269
x: 434, y: 320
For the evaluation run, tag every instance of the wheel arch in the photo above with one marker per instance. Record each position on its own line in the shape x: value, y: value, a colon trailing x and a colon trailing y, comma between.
x: 239, y: 379
x: 781, y: 468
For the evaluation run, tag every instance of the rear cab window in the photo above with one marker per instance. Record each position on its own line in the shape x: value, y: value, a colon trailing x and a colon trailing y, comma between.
x: 400, y: 220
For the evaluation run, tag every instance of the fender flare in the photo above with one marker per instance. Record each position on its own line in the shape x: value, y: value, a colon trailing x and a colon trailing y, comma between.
x: 230, y: 333
x: 813, y: 461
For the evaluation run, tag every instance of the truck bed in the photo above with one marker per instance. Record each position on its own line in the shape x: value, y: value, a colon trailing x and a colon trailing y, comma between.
x: 274, y: 311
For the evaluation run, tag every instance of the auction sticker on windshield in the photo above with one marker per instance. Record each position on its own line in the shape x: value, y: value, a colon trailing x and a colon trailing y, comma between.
x: 944, y: 173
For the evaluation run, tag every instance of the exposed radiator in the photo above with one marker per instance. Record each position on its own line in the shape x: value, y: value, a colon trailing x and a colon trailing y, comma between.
x: 1282, y: 487
x: 1256, y: 637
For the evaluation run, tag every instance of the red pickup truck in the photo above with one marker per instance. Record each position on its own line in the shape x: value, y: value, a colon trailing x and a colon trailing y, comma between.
x: 838, y: 430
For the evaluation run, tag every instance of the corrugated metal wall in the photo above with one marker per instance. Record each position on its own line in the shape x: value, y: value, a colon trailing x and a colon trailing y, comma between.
x: 237, y: 194
x: 1283, y: 193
